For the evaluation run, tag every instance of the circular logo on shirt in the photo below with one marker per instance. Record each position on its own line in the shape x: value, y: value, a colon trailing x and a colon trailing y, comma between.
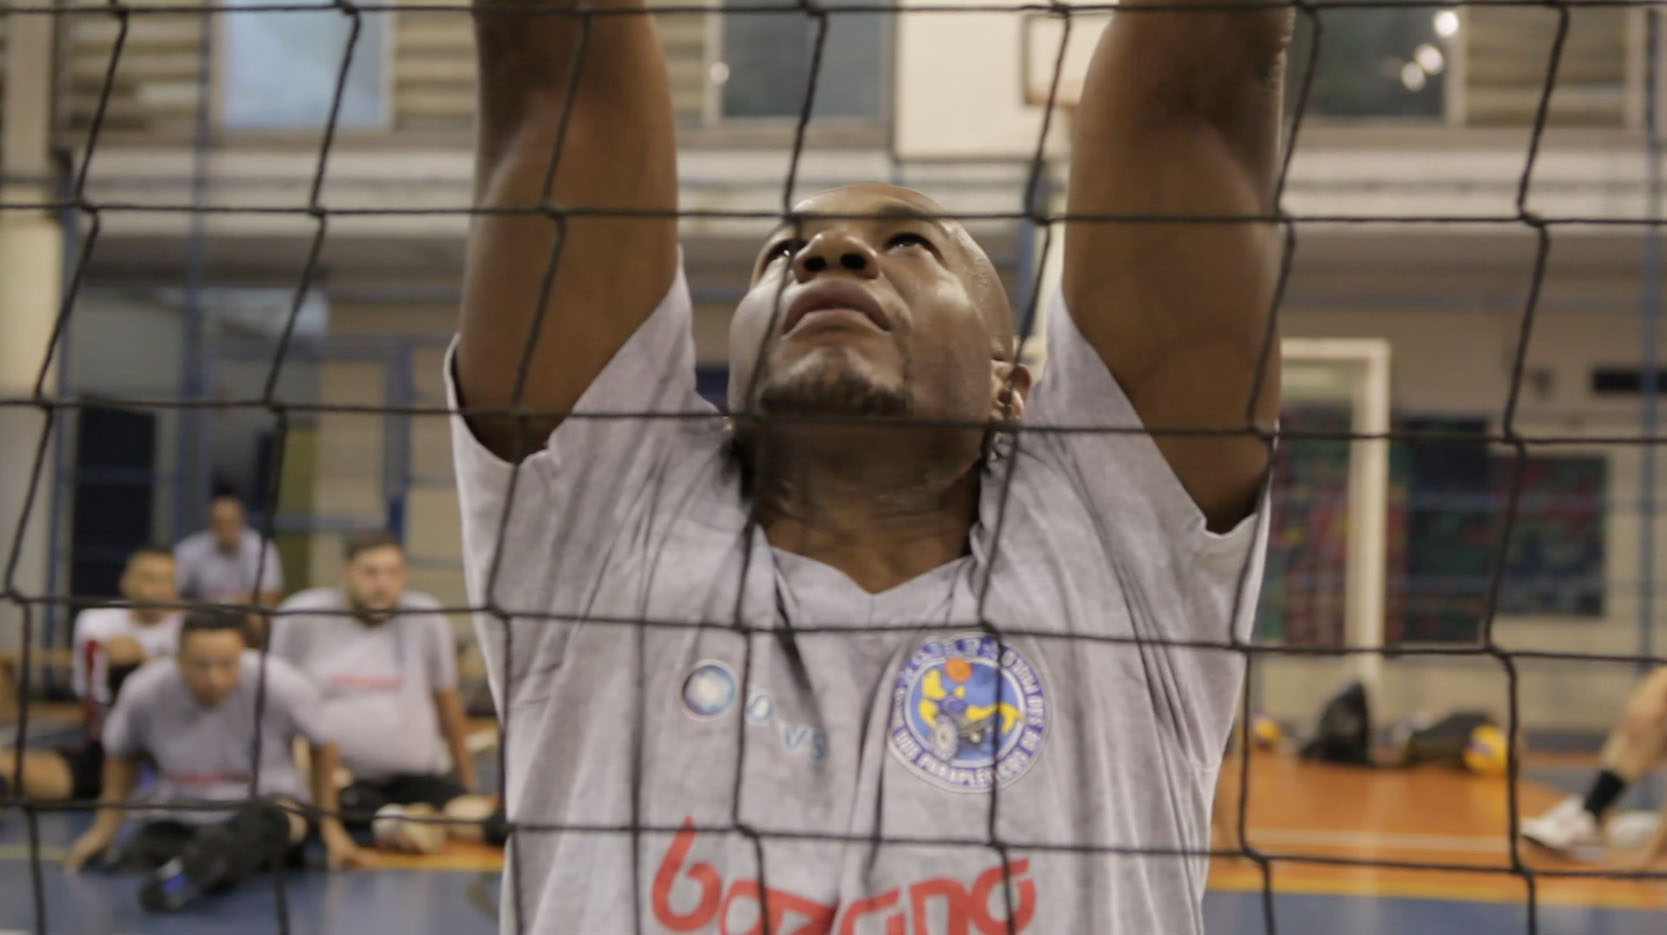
x: 963, y: 718
x: 708, y: 689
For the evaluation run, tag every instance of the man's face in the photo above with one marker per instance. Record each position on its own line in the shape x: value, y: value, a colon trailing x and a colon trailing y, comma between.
x: 882, y: 311
x: 225, y: 521
x: 147, y: 582
x: 375, y: 579
x: 209, y: 663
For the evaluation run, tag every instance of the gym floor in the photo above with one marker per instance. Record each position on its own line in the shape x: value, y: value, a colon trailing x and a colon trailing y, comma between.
x: 1424, y: 816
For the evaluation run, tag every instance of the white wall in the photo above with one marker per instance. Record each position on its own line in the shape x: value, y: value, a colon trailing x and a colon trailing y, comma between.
x: 30, y: 251
x: 1456, y: 360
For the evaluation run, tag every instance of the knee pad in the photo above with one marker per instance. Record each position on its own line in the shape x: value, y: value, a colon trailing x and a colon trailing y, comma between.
x: 485, y: 811
x: 393, y: 829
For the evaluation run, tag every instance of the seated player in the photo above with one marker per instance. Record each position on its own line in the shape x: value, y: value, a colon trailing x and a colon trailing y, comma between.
x: 230, y: 563
x: 1636, y: 746
x: 384, y: 660
x: 195, y: 717
x: 110, y: 643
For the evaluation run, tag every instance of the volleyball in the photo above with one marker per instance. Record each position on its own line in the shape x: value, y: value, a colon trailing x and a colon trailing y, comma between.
x: 1488, y: 752
x: 1265, y: 732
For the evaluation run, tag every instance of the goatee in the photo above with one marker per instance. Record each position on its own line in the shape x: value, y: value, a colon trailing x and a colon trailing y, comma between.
x: 841, y: 393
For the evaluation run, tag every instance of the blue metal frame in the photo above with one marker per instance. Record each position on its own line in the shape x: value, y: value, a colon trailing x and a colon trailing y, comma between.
x: 396, y: 438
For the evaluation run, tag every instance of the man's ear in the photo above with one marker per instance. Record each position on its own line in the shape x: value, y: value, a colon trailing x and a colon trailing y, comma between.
x: 1010, y: 382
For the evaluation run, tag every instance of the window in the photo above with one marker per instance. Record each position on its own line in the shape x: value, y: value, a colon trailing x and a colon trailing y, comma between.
x: 1374, y: 62
x: 1303, y: 580
x: 1446, y: 511
x: 1447, y: 514
x: 278, y: 70
x: 764, y: 64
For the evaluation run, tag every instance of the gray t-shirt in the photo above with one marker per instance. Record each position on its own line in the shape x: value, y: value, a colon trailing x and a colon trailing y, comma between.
x: 887, y: 738
x: 205, y: 754
x: 377, y: 681
x: 205, y: 573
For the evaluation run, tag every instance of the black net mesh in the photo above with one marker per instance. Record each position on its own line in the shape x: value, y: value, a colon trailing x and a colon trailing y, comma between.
x: 1032, y: 207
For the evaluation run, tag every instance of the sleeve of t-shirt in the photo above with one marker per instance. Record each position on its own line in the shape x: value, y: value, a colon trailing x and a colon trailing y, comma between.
x: 123, y: 732
x: 439, y: 649
x: 1119, y: 473
x: 300, y: 701
x: 578, y: 504
x: 185, y: 568
x: 288, y: 633
x: 272, y: 573
x: 79, y: 675
x: 1185, y: 582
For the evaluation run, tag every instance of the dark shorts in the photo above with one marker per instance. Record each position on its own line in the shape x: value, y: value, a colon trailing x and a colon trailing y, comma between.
x: 86, y: 770
x: 154, y: 843
x: 361, y: 799
x: 1445, y: 741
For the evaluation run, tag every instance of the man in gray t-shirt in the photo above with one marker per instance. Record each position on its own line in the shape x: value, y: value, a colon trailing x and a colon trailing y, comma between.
x: 222, y: 814
x: 872, y: 660
x: 385, y: 664
x: 228, y: 563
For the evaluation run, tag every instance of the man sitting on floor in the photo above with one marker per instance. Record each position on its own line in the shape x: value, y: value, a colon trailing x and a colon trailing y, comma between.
x: 110, y: 644
x: 196, y: 718
x: 385, y: 661
x: 229, y: 563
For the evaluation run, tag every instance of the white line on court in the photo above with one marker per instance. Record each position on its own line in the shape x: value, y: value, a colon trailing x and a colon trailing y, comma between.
x: 1473, y: 843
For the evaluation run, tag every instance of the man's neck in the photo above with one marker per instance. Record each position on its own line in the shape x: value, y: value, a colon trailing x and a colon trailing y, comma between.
x: 881, y: 521
x: 366, y: 616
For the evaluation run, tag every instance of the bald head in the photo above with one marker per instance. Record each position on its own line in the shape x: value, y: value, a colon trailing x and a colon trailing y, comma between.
x: 884, y: 200
x: 871, y: 301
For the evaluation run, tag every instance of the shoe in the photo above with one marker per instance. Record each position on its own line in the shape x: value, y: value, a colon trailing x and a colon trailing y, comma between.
x: 168, y: 888
x: 203, y: 866
x: 1630, y: 831
x: 1565, y: 827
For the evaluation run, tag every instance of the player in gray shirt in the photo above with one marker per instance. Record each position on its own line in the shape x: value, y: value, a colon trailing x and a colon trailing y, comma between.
x: 228, y: 563
x: 385, y: 663
x: 195, y: 717
x: 872, y: 660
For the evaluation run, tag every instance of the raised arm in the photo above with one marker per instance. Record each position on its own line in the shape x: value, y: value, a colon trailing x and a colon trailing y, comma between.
x: 617, y: 152
x: 1180, y: 115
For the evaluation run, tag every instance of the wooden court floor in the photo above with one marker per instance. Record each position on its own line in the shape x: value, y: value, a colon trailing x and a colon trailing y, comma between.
x: 1303, y: 813
x: 1300, y: 815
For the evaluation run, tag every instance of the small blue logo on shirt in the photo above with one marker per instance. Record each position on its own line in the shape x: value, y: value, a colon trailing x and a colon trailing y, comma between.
x: 709, y: 689
x: 965, y: 720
